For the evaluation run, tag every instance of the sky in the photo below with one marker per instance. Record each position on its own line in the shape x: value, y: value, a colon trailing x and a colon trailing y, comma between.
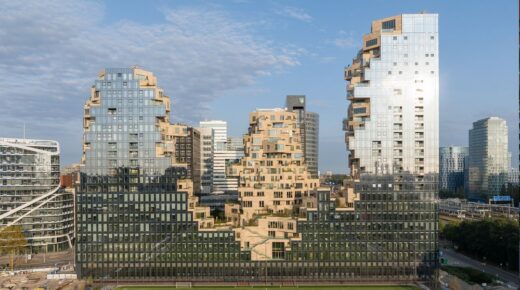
x: 223, y: 59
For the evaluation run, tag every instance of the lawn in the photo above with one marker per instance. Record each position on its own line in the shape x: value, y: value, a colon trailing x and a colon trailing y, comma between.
x: 272, y: 287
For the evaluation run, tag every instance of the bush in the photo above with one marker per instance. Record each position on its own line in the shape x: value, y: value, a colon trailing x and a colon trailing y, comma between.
x: 469, y: 275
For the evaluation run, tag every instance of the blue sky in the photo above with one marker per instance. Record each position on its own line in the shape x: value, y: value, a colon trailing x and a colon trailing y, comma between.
x: 223, y: 59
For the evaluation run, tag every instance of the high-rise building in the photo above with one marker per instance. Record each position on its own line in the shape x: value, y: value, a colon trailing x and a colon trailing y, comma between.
x: 206, y: 159
x: 222, y: 155
x: 392, y: 136
x: 514, y: 176
x: 137, y: 216
x: 309, y: 123
x: 273, y: 173
x: 451, y: 168
x: 31, y: 195
x: 187, y: 152
x: 489, y: 158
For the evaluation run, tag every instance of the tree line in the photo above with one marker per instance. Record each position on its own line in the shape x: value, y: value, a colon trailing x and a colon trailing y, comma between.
x: 490, y: 240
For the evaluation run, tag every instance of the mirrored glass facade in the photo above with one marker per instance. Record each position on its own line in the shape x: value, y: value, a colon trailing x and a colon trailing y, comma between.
x: 489, y: 158
x: 451, y: 168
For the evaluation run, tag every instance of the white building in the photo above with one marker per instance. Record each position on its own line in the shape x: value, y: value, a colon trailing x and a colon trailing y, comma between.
x: 225, y: 151
x: 393, y: 116
x: 206, y: 159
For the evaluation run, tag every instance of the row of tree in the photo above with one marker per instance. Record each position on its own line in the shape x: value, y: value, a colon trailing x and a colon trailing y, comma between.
x: 12, y: 242
x: 490, y: 240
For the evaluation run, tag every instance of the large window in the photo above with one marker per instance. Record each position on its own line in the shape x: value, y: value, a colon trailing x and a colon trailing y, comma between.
x: 390, y: 24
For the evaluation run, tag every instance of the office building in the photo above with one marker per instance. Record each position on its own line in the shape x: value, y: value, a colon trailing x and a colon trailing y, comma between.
x: 31, y: 195
x: 137, y: 216
x: 451, y: 168
x: 187, y: 152
x: 514, y: 176
x: 309, y: 123
x: 489, y: 158
x: 392, y: 136
x: 223, y: 153
x: 206, y: 159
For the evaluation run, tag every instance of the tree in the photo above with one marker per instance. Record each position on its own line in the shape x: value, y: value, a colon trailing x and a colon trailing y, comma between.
x: 12, y: 242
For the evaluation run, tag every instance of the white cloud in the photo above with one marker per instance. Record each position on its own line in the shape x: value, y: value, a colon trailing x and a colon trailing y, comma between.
x: 294, y: 12
x: 51, y: 52
x: 345, y: 42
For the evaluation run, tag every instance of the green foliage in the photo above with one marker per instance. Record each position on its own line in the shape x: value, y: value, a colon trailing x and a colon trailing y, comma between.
x: 12, y: 242
x: 493, y: 240
x: 511, y: 190
x: 469, y: 275
x: 336, y: 179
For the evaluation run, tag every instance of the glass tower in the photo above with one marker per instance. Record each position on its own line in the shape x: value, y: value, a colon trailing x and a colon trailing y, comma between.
x: 489, y: 158
x: 392, y: 138
x: 452, y: 165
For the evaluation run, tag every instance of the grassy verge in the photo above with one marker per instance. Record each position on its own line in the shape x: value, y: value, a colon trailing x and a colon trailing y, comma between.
x: 272, y: 287
x: 469, y: 275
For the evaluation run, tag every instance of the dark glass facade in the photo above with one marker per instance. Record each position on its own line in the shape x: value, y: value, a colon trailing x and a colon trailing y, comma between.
x: 134, y: 221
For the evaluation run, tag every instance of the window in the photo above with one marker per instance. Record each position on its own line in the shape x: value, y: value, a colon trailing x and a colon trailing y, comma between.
x: 405, y: 38
x: 371, y: 42
x: 390, y: 24
x: 278, y: 250
x: 361, y: 110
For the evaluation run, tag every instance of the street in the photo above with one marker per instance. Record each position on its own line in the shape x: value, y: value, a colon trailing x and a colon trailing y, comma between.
x: 457, y: 259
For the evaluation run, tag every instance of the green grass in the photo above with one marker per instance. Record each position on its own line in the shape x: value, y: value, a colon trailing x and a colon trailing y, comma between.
x: 469, y: 275
x: 271, y: 287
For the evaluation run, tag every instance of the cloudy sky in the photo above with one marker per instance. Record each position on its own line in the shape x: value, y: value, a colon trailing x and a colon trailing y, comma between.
x: 223, y: 59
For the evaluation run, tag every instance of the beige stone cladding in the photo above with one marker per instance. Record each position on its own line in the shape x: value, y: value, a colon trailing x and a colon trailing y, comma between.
x: 269, y: 238
x: 273, y: 176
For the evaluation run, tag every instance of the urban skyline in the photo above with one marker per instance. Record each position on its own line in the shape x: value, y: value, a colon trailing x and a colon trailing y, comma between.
x: 209, y: 145
x: 269, y: 82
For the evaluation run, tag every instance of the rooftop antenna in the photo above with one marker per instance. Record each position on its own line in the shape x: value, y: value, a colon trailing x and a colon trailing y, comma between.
x: 24, y: 130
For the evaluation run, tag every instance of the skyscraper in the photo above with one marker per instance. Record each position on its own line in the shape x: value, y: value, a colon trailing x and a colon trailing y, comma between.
x: 452, y: 165
x: 489, y: 158
x: 206, y: 159
x: 392, y: 138
x: 221, y: 183
x: 309, y: 123
x: 137, y: 216
x: 30, y: 194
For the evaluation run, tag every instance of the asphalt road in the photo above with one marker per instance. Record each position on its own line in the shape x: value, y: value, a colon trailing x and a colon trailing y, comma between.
x: 457, y: 259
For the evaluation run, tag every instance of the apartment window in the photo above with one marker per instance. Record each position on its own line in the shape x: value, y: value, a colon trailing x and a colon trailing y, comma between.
x: 395, y: 38
x: 432, y: 37
x: 371, y: 42
x: 405, y: 38
x: 390, y: 24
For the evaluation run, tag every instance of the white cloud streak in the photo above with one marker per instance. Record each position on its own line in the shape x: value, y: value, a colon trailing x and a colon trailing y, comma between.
x: 51, y: 52
x: 294, y: 12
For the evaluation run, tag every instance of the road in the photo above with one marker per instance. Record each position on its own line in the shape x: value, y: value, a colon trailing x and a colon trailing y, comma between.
x: 457, y: 259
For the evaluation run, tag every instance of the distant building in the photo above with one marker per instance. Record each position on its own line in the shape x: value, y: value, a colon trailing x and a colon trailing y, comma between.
x: 451, y: 167
x: 206, y: 159
x: 489, y: 158
x: 514, y: 178
x: 309, y: 124
x: 31, y: 195
x: 225, y: 151
x: 187, y: 152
